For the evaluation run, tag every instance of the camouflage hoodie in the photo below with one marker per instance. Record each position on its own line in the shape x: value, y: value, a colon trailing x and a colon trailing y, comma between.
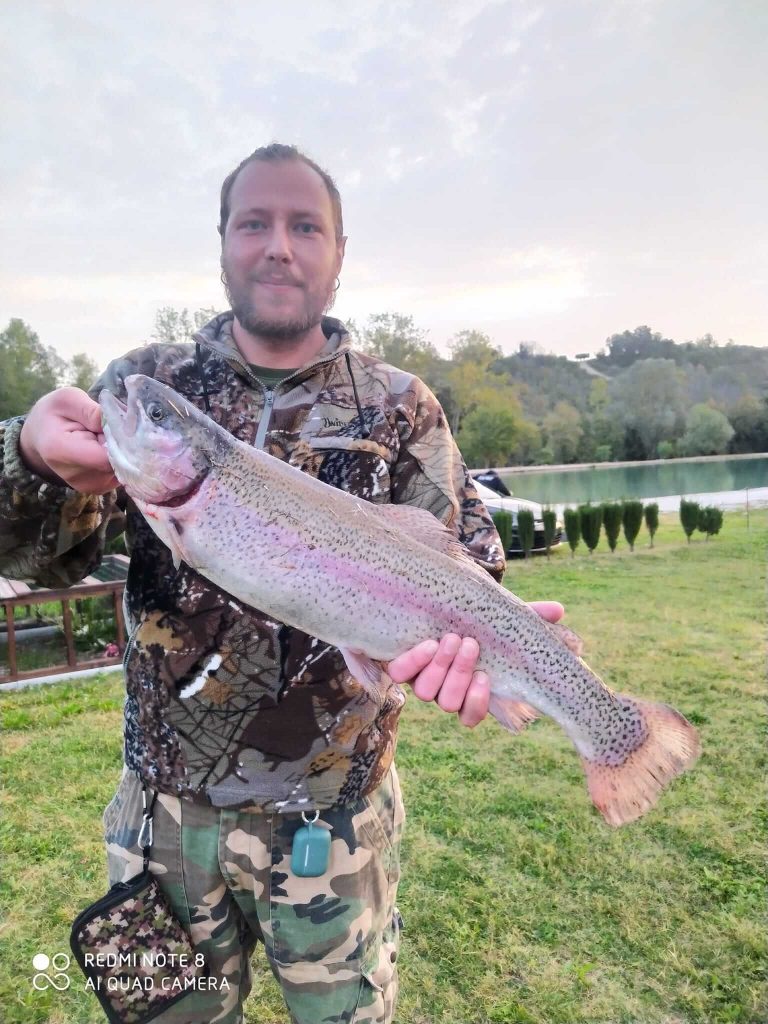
x: 224, y: 705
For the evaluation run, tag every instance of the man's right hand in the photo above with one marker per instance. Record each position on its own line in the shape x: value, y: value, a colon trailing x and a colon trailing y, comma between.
x: 62, y: 441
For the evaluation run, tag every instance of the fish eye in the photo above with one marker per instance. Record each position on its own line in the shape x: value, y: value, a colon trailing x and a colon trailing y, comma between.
x: 155, y: 411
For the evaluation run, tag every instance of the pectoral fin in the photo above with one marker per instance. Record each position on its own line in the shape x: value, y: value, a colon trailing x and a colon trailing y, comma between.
x: 366, y: 671
x: 177, y: 549
x: 514, y: 715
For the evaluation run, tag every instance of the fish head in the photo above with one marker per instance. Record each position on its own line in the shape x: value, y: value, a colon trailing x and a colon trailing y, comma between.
x: 159, y: 445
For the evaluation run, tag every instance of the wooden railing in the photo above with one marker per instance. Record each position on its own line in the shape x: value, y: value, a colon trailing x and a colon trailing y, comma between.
x: 15, y: 594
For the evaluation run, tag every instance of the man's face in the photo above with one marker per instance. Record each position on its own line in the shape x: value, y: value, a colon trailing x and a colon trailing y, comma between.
x: 280, y: 254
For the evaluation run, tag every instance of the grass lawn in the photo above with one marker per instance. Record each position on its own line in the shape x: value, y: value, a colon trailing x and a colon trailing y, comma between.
x: 521, y: 906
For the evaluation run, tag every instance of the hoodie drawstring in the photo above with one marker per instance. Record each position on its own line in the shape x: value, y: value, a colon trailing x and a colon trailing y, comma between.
x: 364, y: 429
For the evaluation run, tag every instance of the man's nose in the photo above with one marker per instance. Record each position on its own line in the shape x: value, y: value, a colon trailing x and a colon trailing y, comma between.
x: 278, y: 246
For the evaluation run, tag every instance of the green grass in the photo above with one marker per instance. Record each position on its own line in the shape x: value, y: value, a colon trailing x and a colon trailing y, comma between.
x: 521, y: 905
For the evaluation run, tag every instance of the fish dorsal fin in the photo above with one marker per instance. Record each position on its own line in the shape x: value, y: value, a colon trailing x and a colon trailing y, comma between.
x: 425, y: 528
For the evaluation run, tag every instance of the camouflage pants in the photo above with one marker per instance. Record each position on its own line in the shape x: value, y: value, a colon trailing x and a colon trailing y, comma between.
x: 331, y: 941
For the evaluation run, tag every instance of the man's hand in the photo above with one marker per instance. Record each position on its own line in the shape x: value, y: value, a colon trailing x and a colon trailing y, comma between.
x: 62, y: 441
x: 445, y: 672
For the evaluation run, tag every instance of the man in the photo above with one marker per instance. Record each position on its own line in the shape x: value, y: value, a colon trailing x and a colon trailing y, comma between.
x: 240, y: 723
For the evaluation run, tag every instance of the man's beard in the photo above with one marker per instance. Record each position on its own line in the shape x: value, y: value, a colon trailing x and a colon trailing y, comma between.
x: 269, y: 330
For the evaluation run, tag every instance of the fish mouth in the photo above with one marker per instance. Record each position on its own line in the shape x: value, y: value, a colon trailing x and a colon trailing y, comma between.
x: 115, y: 412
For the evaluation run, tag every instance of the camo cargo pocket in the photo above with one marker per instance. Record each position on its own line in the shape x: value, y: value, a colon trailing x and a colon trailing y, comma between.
x: 112, y: 810
x: 333, y: 939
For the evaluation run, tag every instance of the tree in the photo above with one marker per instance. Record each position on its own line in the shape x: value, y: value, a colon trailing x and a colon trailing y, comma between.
x: 549, y: 518
x: 488, y: 434
x: 710, y: 520
x: 502, y: 520
x: 612, y: 516
x: 176, y: 326
x: 525, y: 530
x: 651, y: 516
x: 82, y: 372
x: 749, y: 419
x: 689, y: 516
x: 572, y: 521
x: 395, y: 338
x: 707, y: 432
x: 632, y: 518
x: 591, y: 517
x: 564, y: 431
x: 642, y: 343
x: 527, y: 447
x: 475, y: 348
x: 28, y: 369
x: 648, y: 399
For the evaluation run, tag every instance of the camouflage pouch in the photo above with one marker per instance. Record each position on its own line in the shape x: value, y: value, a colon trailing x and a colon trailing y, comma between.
x: 136, y: 956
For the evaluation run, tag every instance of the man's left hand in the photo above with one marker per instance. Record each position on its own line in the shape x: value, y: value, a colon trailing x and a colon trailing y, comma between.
x: 445, y: 672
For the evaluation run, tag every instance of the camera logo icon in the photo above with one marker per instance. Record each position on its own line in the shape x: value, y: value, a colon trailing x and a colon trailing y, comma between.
x: 58, y: 963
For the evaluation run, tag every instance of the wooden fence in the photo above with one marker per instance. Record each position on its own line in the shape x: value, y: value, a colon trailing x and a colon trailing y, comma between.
x: 15, y: 594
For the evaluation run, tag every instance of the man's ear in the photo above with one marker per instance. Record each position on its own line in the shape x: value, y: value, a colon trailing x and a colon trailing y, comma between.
x: 341, y: 246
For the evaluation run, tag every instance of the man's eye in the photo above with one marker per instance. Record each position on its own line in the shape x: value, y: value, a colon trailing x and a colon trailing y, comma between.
x: 307, y: 227
x: 252, y: 225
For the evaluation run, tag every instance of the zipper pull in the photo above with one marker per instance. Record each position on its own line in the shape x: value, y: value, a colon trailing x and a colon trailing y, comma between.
x: 266, y: 416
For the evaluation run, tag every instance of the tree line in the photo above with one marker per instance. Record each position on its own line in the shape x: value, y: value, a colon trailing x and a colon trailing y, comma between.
x: 642, y: 396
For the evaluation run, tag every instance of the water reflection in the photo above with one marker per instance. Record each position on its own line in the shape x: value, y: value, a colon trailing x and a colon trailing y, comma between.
x: 612, y: 484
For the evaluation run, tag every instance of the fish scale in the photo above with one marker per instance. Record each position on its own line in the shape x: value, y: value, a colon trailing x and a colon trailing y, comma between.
x: 375, y: 581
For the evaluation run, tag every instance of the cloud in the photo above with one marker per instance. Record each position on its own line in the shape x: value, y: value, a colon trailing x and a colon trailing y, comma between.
x: 571, y: 161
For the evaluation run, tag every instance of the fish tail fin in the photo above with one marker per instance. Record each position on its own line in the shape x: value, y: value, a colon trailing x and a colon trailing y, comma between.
x: 514, y: 715
x: 626, y: 791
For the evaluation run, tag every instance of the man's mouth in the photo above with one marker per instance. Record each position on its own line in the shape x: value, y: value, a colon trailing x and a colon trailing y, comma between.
x: 277, y: 282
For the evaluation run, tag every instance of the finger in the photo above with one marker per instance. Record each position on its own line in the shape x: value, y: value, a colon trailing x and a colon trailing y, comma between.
x: 428, y: 682
x: 83, y: 451
x: 90, y: 484
x: 552, y: 611
x: 459, y: 676
x: 81, y: 409
x: 476, y: 703
x: 407, y: 666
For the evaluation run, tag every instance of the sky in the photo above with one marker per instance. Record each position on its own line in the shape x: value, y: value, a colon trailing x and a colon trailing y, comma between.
x: 550, y: 172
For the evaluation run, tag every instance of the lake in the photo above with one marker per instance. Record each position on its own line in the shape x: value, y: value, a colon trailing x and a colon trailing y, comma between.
x: 721, y: 480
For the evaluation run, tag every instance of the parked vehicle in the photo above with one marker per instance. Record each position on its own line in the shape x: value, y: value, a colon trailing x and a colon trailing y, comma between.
x: 494, y: 502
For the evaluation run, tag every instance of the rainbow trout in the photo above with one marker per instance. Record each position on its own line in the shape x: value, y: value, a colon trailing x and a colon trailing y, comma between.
x: 375, y: 581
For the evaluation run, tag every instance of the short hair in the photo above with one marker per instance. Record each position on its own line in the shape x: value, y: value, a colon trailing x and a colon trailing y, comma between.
x: 272, y: 153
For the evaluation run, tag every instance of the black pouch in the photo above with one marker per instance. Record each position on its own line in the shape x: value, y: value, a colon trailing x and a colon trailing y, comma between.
x: 136, y: 956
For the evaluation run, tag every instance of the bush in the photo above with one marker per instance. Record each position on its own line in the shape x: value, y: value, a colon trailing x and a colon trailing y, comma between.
x: 667, y: 449
x: 549, y: 518
x: 603, y: 453
x: 546, y: 457
x: 632, y: 519
x: 591, y: 520
x: 710, y: 520
x: 503, y: 522
x: 572, y: 521
x: 612, y: 518
x: 689, y: 516
x: 651, y: 516
x: 525, y: 530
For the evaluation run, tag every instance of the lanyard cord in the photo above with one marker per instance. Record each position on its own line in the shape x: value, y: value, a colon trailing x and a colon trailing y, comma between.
x: 364, y: 429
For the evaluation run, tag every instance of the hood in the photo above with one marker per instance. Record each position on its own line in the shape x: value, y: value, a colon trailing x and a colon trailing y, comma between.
x: 217, y: 335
